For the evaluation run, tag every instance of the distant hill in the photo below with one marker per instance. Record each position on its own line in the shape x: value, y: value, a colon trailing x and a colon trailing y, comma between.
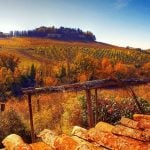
x: 62, y: 33
x: 3, y: 35
x: 148, y: 50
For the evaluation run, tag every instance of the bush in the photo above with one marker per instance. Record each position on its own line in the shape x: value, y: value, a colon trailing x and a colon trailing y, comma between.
x: 111, y: 111
x: 11, y: 122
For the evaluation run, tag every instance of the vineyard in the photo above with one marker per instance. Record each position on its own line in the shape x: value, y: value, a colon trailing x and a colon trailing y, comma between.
x: 55, y: 50
x: 59, y: 62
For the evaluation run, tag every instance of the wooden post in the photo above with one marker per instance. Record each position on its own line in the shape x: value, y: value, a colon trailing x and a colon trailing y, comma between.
x: 135, y: 98
x: 96, y: 107
x: 31, y: 118
x: 89, y: 109
x: 2, y: 107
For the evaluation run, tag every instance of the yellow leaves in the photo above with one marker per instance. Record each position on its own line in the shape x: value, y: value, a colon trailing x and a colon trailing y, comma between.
x: 9, y: 76
x: 44, y: 116
x: 5, y: 75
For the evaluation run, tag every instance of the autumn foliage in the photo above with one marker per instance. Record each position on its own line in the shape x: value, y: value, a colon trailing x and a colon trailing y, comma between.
x: 31, y: 62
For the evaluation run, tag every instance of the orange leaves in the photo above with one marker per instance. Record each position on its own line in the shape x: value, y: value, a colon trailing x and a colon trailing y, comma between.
x: 146, y: 66
x: 17, y: 73
x: 83, y: 77
x: 146, y: 69
x: 105, y: 63
x: 106, y: 68
x: 49, y: 81
x: 120, y: 68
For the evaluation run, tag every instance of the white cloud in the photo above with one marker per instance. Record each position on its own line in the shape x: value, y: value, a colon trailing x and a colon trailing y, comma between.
x: 119, y: 4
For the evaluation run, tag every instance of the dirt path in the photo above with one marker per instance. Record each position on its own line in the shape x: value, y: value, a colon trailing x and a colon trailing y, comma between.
x: 31, y: 57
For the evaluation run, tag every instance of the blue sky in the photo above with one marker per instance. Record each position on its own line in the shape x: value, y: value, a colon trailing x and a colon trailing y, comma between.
x: 119, y: 22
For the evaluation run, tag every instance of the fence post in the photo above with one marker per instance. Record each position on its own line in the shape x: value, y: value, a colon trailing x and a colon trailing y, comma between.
x: 96, y: 107
x: 89, y: 109
x: 2, y: 107
x: 31, y: 118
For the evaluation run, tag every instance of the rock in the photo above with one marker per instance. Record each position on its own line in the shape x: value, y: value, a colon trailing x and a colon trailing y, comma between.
x: 79, y: 131
x: 23, y: 147
x: 144, y: 124
x: 40, y: 146
x: 129, y: 123
x: 48, y: 137
x: 115, y: 142
x: 103, y: 126
x: 138, y: 117
x: 129, y: 132
x: 12, y: 141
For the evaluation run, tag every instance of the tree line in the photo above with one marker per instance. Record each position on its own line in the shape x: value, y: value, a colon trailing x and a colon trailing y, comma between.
x: 62, y: 33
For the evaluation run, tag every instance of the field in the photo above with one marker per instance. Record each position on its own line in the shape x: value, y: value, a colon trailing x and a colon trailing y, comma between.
x: 50, y: 62
x: 70, y: 62
x: 36, y: 50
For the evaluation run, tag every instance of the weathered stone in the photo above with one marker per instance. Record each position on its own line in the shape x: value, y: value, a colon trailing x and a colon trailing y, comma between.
x: 48, y: 137
x: 129, y: 123
x: 144, y: 124
x: 12, y: 141
x: 129, y: 132
x: 115, y: 142
x: 65, y: 142
x: 138, y: 117
x: 103, y: 126
x: 40, y: 146
x: 79, y: 131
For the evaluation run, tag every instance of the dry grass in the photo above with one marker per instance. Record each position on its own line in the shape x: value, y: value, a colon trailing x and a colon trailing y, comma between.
x: 61, y: 111
x: 117, y: 94
x: 55, y: 111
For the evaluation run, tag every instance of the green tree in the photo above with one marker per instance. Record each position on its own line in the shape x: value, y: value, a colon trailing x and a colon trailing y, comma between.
x: 33, y: 72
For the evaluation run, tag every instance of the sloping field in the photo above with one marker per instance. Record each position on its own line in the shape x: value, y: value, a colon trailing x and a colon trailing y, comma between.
x: 36, y: 50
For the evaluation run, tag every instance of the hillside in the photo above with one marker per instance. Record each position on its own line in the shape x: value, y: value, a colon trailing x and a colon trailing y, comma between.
x: 44, y: 62
x: 40, y: 50
x: 148, y: 50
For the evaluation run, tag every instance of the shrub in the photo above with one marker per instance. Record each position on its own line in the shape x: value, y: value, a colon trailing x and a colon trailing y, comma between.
x: 11, y: 122
x: 111, y: 111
